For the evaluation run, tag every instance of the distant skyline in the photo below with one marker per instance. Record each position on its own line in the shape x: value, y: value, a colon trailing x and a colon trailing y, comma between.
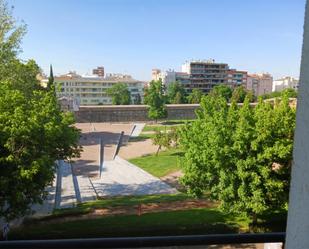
x: 134, y: 36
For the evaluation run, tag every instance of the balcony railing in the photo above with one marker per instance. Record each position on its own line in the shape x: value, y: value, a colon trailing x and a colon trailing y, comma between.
x: 158, y: 241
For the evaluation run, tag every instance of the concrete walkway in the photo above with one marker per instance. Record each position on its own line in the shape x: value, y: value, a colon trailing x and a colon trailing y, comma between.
x: 119, y: 177
x: 138, y: 129
x: 49, y: 203
x: 68, y: 195
x: 86, y: 190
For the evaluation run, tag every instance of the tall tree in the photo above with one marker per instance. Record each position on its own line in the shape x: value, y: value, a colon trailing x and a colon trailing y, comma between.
x: 195, y: 97
x: 242, y: 157
x: 155, y: 99
x: 223, y: 91
x: 34, y: 133
x: 176, y: 93
x: 120, y: 94
x: 50, y: 82
x: 240, y: 93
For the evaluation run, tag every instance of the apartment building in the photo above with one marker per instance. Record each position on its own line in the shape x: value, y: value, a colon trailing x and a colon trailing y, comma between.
x: 259, y: 84
x: 170, y: 76
x: 99, y: 71
x: 236, y: 78
x: 284, y: 83
x: 204, y: 74
x: 91, y: 90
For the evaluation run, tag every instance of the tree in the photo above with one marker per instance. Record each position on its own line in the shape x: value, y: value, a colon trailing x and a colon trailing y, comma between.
x: 289, y: 92
x: 50, y: 82
x: 223, y: 91
x: 178, y: 98
x: 120, y: 94
x: 176, y: 93
x: 195, y: 97
x: 161, y: 139
x: 167, y: 139
x: 242, y: 157
x: 239, y: 94
x: 154, y: 97
x: 34, y: 133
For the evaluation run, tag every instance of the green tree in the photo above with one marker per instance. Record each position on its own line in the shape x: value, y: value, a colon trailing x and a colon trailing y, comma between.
x: 166, y: 139
x: 120, y: 94
x: 289, y: 92
x: 176, y: 93
x: 34, y: 133
x: 195, y: 96
x: 51, y: 80
x: 242, y: 157
x: 223, y: 91
x: 239, y: 94
x: 155, y: 99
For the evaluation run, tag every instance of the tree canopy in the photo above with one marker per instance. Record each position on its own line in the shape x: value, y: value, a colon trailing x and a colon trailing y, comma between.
x: 241, y: 156
x: 222, y: 91
x: 154, y: 97
x: 120, y: 94
x: 289, y: 92
x: 51, y: 79
x: 240, y: 93
x: 195, y: 96
x: 176, y: 93
x: 34, y: 132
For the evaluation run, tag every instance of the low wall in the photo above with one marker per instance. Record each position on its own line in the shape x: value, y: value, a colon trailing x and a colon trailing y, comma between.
x: 128, y: 113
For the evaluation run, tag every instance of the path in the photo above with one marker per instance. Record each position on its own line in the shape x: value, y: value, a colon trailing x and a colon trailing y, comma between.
x: 67, y: 197
x: 138, y: 129
x: 80, y: 181
x: 48, y: 204
x: 119, y: 177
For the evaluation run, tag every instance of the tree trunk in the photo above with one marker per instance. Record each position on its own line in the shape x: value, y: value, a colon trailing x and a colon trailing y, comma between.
x: 159, y: 148
x: 254, y: 218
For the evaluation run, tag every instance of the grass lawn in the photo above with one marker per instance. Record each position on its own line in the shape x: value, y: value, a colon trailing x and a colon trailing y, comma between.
x: 194, y: 221
x: 87, y: 207
x: 165, y: 163
x: 141, y: 137
x: 166, y: 125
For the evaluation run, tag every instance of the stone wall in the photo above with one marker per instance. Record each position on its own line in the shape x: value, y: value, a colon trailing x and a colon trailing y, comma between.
x: 128, y: 113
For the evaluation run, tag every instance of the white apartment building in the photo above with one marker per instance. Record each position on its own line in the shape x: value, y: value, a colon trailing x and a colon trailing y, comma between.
x: 285, y: 82
x: 91, y: 90
x: 259, y: 84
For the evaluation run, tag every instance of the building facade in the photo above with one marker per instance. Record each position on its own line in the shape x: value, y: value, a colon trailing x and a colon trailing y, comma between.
x: 91, y: 90
x: 284, y: 83
x: 99, y: 71
x: 202, y: 75
x: 236, y: 78
x: 259, y: 84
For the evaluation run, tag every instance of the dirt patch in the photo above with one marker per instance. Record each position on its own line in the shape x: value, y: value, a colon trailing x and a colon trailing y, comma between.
x: 134, y: 210
x: 172, y: 179
x: 153, y: 208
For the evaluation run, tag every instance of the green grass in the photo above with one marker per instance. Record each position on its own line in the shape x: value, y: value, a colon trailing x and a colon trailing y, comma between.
x: 156, y: 127
x: 194, y: 221
x: 87, y: 207
x: 165, y: 163
x: 141, y: 137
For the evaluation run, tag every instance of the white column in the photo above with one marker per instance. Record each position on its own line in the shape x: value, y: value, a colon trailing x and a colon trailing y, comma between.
x: 298, y: 215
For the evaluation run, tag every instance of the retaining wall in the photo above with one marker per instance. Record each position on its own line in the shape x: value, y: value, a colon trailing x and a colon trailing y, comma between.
x: 128, y: 113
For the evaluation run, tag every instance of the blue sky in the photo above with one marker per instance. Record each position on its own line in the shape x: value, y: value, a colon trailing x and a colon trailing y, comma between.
x: 134, y: 36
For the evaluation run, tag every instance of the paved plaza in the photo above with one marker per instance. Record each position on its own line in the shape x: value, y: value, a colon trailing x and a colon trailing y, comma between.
x: 83, y: 179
